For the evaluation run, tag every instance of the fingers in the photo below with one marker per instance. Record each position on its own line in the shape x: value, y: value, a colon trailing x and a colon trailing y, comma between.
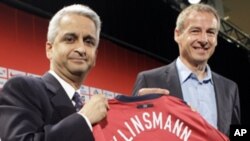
x: 144, y: 91
x: 106, y: 104
x: 96, y: 108
x: 192, y: 108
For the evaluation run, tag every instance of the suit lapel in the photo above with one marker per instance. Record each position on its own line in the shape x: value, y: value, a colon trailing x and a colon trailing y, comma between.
x: 220, y: 101
x: 172, y: 80
x: 59, y: 98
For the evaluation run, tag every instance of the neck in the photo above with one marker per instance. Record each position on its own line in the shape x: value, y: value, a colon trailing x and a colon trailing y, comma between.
x: 199, y: 69
x: 75, y: 80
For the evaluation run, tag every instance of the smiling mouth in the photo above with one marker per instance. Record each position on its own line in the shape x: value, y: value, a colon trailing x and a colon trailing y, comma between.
x: 201, y: 48
x: 78, y: 60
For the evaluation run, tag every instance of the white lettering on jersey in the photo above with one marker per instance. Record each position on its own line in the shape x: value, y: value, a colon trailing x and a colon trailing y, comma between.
x: 150, y: 121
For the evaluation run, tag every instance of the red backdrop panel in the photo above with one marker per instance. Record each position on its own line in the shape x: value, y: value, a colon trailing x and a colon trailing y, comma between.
x: 23, y: 38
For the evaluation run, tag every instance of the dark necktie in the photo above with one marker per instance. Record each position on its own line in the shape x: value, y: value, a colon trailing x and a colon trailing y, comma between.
x: 78, y: 101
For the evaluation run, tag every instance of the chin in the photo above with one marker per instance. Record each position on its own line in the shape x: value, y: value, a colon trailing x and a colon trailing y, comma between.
x: 79, y: 70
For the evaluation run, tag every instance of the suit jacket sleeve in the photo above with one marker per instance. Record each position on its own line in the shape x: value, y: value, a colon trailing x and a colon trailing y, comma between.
x: 236, y: 117
x: 26, y: 115
x: 139, y: 83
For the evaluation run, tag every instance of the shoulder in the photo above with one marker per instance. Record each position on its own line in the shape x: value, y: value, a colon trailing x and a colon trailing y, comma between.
x: 24, y: 80
x: 20, y: 90
x: 160, y: 70
x: 219, y: 78
x: 23, y: 85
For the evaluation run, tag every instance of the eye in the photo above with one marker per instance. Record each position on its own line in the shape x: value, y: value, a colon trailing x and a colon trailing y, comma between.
x: 195, y: 31
x: 211, y: 32
x: 89, y: 41
x: 69, y: 38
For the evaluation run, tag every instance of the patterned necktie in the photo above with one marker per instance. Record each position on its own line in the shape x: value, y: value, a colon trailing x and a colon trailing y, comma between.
x: 78, y: 101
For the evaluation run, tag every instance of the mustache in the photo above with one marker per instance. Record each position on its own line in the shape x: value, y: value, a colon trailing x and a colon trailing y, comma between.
x: 78, y: 55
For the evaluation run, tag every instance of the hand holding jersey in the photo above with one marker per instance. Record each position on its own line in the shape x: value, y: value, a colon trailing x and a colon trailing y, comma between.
x: 144, y: 91
x: 95, y: 109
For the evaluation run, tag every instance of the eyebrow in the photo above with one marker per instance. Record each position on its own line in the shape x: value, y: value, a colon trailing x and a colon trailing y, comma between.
x: 70, y: 34
x: 197, y: 27
x: 89, y: 37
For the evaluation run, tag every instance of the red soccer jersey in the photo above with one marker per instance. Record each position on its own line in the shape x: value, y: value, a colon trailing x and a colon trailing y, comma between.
x: 154, y: 118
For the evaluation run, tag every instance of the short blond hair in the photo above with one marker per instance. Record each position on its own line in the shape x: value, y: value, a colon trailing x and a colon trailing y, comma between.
x: 199, y: 8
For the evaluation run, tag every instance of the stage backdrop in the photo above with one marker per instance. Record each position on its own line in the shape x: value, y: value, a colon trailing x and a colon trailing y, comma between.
x: 22, y: 52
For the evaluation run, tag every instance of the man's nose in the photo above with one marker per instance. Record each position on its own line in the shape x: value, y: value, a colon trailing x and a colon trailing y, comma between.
x: 81, y: 48
x: 203, y: 39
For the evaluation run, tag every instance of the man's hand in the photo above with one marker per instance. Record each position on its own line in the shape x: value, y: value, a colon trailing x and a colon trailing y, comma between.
x: 144, y: 91
x: 96, y: 108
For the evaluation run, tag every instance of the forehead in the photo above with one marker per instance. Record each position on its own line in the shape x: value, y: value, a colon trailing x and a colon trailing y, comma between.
x: 201, y: 18
x: 77, y: 23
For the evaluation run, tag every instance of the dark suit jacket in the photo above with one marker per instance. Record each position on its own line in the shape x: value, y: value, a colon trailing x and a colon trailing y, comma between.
x: 226, y: 91
x: 38, y: 109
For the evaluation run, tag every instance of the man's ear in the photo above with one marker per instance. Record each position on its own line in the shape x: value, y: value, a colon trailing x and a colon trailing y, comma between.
x: 96, y: 54
x: 176, y: 35
x: 49, y: 50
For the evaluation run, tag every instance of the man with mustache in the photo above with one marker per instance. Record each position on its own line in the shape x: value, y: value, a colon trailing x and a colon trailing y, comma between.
x: 48, y: 108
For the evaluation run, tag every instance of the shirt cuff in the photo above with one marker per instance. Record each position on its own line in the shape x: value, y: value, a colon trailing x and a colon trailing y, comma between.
x: 87, y: 120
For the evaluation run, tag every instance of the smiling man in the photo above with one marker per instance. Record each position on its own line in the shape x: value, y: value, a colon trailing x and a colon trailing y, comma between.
x: 189, y: 77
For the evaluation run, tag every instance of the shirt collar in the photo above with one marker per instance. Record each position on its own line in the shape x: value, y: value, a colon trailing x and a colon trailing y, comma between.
x: 185, y: 73
x: 66, y: 86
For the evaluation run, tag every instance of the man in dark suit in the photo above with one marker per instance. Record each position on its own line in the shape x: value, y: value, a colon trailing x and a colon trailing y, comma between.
x: 189, y: 77
x: 43, y: 108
